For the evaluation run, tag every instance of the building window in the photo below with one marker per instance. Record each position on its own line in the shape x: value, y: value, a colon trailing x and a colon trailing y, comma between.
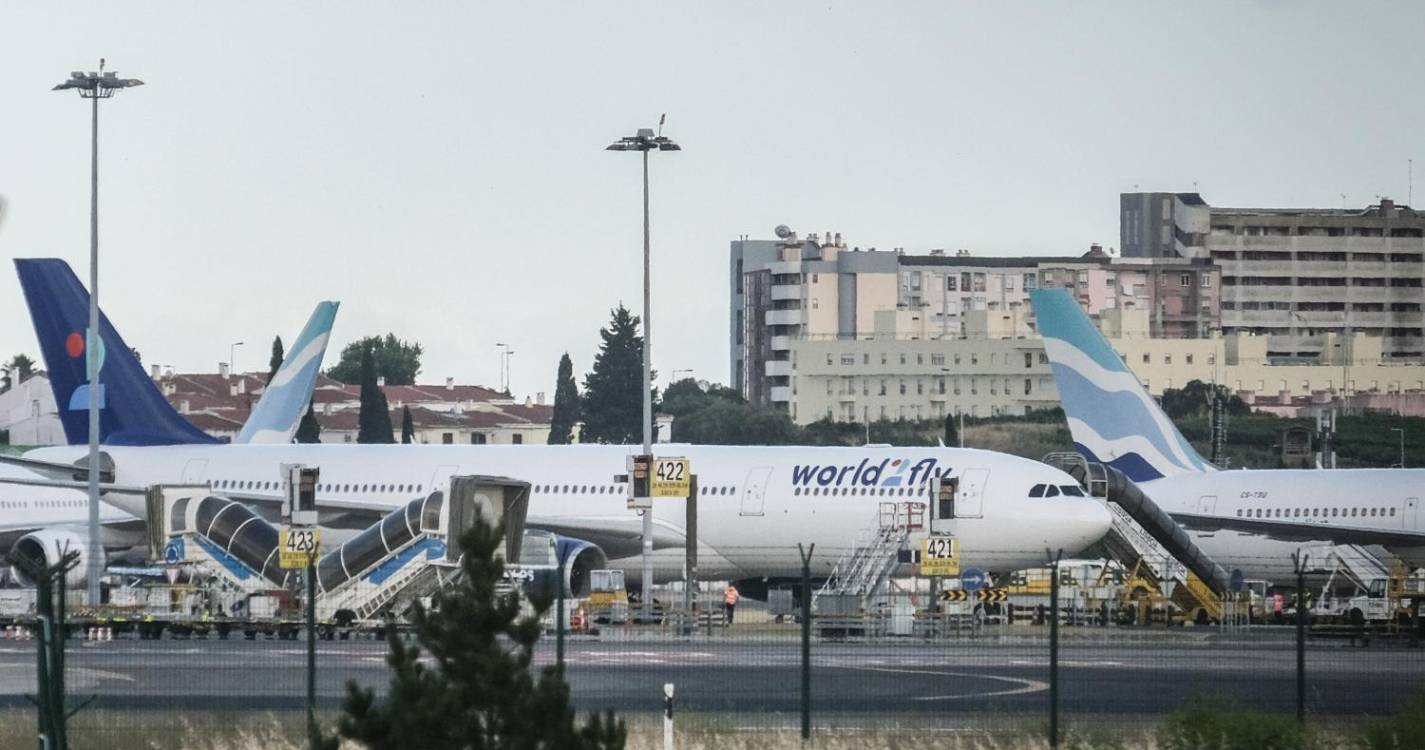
x: 518, y: 438
x: 1167, y: 359
x: 941, y: 386
x: 1187, y: 279
x: 883, y: 358
x: 920, y: 359
x: 937, y: 359
x: 957, y: 359
x: 919, y: 387
x: 950, y: 282
x: 1147, y: 359
x: 1206, y: 280
x: 447, y: 438
x: 902, y: 359
x: 866, y: 359
x: 478, y: 438
x: 1029, y: 359
x: 1029, y: 282
x: 848, y: 359
x: 1028, y: 386
x: 902, y: 384
x: 883, y: 388
x: 974, y: 358
x: 828, y: 359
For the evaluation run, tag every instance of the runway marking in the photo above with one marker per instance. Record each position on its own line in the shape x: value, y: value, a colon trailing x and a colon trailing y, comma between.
x: 1025, y: 686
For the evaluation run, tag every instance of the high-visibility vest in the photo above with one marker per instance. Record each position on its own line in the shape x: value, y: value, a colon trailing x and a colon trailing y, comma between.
x: 730, y: 595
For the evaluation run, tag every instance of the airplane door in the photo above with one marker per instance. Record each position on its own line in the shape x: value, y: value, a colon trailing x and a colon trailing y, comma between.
x: 440, y: 479
x: 754, y: 493
x: 971, y: 501
x: 1207, y: 505
x: 1412, y: 507
x: 194, y: 471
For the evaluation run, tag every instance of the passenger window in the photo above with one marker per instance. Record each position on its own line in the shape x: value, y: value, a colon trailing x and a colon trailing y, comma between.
x: 1052, y: 491
x: 1036, y: 491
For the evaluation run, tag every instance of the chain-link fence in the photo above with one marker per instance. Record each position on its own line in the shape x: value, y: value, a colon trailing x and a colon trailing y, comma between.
x: 173, y: 664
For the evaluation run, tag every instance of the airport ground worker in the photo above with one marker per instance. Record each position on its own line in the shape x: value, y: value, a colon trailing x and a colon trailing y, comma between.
x: 729, y: 600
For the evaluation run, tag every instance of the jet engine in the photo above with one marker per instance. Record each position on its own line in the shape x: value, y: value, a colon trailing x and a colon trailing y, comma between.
x: 46, y: 547
x: 542, y: 552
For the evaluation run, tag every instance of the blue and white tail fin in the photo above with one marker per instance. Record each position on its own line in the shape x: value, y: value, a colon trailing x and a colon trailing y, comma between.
x: 131, y: 409
x: 284, y: 401
x: 1112, y: 418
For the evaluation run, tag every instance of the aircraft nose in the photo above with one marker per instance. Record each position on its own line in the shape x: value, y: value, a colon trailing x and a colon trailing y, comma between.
x: 1090, y: 522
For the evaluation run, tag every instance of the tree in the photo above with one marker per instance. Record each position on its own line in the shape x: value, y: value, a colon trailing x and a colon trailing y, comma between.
x: 1195, y: 399
x: 613, y: 403
x: 374, y: 421
x: 277, y: 357
x: 952, y: 434
x: 566, y: 404
x: 478, y: 689
x: 309, y: 430
x: 408, y: 427
x: 397, y: 361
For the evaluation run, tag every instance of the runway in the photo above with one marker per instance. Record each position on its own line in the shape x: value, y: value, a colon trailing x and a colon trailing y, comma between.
x: 761, y: 678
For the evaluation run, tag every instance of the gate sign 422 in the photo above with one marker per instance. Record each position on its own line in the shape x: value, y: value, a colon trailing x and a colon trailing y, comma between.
x: 672, y: 477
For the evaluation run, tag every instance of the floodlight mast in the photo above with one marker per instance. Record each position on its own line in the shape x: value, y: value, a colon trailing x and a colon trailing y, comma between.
x: 94, y: 86
x: 646, y: 140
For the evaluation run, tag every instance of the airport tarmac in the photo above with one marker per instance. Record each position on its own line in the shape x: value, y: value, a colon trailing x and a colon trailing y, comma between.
x: 751, y: 677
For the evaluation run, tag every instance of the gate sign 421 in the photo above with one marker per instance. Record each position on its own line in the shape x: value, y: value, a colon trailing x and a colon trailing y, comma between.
x: 672, y: 477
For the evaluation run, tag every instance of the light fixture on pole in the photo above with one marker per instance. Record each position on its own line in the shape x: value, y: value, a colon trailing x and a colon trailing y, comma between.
x: 509, y: 355
x: 232, y: 357
x: 94, y: 86
x: 674, y: 377
x: 1401, y: 432
x: 504, y: 348
x: 643, y: 141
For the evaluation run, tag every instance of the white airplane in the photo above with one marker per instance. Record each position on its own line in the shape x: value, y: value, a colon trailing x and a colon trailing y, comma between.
x: 755, y: 503
x: 1249, y: 519
x: 40, y: 519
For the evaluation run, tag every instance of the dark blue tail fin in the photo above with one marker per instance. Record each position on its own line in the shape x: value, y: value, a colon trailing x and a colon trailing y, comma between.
x: 131, y: 409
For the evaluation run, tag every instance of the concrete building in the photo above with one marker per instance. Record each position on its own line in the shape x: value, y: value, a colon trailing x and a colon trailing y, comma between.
x: 902, y: 374
x: 792, y: 290
x: 1304, y: 278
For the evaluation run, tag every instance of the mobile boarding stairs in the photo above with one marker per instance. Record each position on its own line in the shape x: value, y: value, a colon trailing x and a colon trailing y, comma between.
x: 408, y: 554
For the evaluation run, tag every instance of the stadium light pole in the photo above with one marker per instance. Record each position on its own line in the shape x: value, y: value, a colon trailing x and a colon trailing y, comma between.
x: 94, y: 86
x: 646, y: 140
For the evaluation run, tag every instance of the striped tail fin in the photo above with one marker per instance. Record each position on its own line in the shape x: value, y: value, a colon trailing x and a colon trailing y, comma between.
x: 284, y: 401
x: 1112, y: 418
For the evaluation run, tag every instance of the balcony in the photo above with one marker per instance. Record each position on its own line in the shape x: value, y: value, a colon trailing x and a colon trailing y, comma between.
x: 781, y: 394
x: 786, y: 291
x: 847, y: 398
x: 780, y: 343
x: 784, y: 317
x: 778, y: 367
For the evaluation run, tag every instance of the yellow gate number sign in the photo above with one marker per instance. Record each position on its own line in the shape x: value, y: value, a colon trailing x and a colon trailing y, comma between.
x: 672, y: 477
x: 296, y: 546
x: 940, y: 556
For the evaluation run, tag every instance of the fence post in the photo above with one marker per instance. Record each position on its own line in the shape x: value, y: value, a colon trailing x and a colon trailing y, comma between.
x: 314, y: 734
x: 559, y: 616
x: 1054, y: 647
x: 806, y: 639
x: 1300, y: 563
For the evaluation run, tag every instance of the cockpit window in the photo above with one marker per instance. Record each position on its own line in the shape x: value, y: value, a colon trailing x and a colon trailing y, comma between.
x: 1037, y: 491
x: 1052, y: 491
x: 1072, y: 490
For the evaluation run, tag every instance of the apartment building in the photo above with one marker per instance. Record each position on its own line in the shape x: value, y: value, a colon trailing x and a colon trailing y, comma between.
x: 791, y: 290
x: 1305, y: 279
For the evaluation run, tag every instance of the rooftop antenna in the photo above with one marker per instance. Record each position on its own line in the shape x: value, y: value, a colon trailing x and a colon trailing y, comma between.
x: 662, y: 119
x: 1410, y: 182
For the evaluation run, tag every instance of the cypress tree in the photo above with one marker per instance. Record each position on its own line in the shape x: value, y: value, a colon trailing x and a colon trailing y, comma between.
x: 408, y: 427
x: 309, y: 430
x: 276, y: 360
x: 952, y: 434
x: 374, y: 421
x: 612, y: 403
x: 566, y: 404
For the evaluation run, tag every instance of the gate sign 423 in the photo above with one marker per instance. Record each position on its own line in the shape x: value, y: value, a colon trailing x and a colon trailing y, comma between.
x: 671, y: 478
x: 296, y: 547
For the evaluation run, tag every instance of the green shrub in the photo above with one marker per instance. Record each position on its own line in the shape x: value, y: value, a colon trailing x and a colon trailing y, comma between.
x: 1212, y: 724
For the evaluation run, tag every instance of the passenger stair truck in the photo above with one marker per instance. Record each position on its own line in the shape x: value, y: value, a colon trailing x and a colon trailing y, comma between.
x: 1155, y: 550
x: 864, y: 570
x: 408, y: 554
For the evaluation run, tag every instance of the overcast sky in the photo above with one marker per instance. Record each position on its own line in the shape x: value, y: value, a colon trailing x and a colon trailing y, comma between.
x: 439, y: 167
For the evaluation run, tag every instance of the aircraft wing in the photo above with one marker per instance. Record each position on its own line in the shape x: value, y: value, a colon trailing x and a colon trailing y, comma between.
x: 1288, y: 531
x: 616, y: 536
x: 56, y: 470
